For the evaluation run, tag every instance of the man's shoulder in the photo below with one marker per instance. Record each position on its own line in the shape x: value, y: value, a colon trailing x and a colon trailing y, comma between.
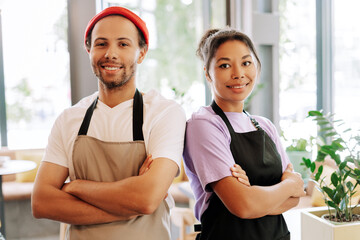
x: 85, y: 102
x: 77, y: 110
x: 153, y: 100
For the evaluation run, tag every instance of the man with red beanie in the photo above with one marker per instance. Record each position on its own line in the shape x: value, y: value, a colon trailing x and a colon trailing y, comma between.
x: 120, y: 148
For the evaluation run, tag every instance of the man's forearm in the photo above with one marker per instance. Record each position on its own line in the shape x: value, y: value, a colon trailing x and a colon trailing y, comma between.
x: 114, y: 197
x: 136, y: 195
x: 57, y: 205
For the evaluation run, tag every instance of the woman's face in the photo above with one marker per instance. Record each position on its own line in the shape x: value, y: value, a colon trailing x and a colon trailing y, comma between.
x: 232, y: 74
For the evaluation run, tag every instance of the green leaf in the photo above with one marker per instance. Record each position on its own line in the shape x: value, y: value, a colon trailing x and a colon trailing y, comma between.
x: 326, y: 129
x: 330, y: 134
x: 327, y: 149
x: 332, y: 204
x: 350, y: 186
x: 347, y: 174
x: 322, y: 123
x: 330, y: 192
x: 338, y: 120
x: 314, y: 113
x: 319, y: 172
x: 337, y: 197
x: 312, y: 167
x: 349, y: 159
x: 342, y: 165
x: 334, y: 179
x: 336, y: 158
x: 307, y: 162
x: 347, y: 130
x: 320, y: 156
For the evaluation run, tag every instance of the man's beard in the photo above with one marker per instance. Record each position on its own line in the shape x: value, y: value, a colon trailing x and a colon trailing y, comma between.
x: 122, y: 80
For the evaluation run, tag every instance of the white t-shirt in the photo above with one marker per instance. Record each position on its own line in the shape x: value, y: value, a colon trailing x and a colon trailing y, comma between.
x: 163, y: 127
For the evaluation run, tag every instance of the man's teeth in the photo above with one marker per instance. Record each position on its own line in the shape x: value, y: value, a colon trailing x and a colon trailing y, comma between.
x: 111, y: 68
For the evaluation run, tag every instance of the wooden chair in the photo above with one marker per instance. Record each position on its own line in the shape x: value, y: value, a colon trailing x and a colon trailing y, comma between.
x: 183, y: 218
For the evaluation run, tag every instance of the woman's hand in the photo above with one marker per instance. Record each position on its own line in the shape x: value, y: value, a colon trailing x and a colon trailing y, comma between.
x: 295, y: 178
x: 146, y: 165
x: 240, y: 174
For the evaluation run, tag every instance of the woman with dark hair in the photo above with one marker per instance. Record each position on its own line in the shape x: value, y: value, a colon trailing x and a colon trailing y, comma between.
x: 223, y: 136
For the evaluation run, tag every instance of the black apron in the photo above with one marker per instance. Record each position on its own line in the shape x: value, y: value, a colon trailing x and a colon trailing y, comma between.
x: 257, y: 155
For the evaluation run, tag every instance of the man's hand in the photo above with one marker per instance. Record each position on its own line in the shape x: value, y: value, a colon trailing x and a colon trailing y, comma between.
x: 240, y: 174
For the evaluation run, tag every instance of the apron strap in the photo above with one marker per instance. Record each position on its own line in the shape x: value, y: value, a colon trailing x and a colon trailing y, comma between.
x: 221, y: 113
x: 86, y: 122
x: 254, y: 122
x: 137, y: 117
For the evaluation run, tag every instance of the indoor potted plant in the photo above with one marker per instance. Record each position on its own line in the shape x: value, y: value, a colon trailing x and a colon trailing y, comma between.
x: 344, y: 181
x: 300, y: 148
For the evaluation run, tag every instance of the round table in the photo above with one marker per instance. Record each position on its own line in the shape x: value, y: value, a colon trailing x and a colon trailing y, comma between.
x: 16, y: 166
x: 11, y: 167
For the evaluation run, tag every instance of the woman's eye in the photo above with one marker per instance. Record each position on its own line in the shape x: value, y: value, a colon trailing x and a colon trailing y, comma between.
x: 225, y: 65
x: 124, y: 44
x: 247, y: 63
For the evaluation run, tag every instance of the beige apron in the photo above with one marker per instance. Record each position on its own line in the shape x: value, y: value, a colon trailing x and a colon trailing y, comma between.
x: 101, y: 161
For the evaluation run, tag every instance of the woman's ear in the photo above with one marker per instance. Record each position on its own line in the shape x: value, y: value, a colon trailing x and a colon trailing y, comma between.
x: 207, y: 75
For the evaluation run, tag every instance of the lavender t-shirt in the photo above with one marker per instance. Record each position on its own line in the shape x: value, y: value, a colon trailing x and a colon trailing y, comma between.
x: 207, y: 154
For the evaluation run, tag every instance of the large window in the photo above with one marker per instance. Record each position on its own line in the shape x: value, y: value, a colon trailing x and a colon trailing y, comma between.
x: 36, y: 68
x: 297, y: 67
x: 171, y: 65
x: 347, y: 61
x: 340, y: 79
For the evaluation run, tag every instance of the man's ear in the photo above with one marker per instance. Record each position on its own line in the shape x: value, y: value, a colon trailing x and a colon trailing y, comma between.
x: 142, y: 54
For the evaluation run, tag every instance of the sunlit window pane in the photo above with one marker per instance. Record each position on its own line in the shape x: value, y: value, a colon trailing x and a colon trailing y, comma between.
x: 297, y: 67
x: 36, y: 66
x: 347, y: 61
x: 171, y: 66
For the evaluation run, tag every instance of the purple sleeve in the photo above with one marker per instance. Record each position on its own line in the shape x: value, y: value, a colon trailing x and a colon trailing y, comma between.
x: 207, y: 151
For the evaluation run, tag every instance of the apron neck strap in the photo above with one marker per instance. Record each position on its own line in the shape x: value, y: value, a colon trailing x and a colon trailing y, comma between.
x: 86, y: 122
x: 137, y: 117
x: 254, y: 122
x: 221, y: 113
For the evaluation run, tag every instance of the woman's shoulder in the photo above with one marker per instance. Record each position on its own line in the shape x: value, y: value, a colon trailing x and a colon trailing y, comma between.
x: 204, y: 115
x: 266, y: 124
x: 206, y: 122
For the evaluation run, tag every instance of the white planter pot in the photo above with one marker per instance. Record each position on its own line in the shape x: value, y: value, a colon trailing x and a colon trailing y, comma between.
x: 313, y: 227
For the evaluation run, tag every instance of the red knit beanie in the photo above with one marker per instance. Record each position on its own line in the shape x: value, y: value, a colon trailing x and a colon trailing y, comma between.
x: 135, y: 19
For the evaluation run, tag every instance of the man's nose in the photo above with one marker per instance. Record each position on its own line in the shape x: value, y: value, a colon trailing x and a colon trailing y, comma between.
x: 111, y: 53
